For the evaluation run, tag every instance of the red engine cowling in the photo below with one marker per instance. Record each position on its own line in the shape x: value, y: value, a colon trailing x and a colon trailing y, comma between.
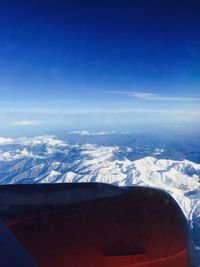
x: 96, y: 225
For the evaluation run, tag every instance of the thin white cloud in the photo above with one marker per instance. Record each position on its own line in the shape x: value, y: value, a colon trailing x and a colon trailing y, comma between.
x: 151, y: 96
x: 142, y: 95
x: 53, y: 112
x: 87, y: 133
x: 43, y: 103
x: 26, y: 122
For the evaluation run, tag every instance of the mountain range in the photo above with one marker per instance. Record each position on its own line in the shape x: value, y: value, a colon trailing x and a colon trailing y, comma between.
x: 46, y: 159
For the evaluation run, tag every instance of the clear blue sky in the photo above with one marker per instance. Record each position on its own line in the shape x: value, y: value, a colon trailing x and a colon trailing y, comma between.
x: 98, y: 64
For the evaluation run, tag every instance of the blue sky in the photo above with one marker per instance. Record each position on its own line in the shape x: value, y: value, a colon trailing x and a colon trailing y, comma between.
x: 99, y: 64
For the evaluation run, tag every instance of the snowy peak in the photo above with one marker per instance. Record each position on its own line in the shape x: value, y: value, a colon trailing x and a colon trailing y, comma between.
x: 45, y: 159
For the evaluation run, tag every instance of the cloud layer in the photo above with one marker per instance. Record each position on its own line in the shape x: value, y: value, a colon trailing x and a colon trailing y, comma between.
x: 26, y: 122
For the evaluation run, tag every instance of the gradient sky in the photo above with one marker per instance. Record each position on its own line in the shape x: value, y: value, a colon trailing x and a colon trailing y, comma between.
x: 99, y: 64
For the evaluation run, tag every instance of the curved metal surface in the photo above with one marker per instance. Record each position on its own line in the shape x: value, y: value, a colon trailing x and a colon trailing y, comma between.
x: 91, y: 224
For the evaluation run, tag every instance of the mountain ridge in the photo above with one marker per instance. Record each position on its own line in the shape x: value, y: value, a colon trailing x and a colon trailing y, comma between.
x: 45, y: 159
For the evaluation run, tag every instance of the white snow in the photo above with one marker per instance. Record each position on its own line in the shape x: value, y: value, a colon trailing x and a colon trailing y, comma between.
x: 5, y: 141
x: 37, y: 159
x: 158, y: 151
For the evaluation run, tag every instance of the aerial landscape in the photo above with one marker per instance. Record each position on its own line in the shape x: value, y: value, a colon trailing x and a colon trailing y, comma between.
x: 102, y: 91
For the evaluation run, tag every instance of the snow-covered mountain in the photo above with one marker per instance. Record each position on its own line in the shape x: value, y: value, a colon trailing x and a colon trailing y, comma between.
x: 45, y: 159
